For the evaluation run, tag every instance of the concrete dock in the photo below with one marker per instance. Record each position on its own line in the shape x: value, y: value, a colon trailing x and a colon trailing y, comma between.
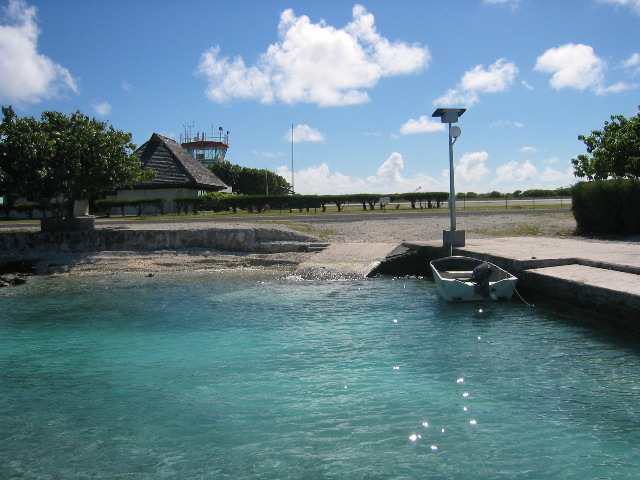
x: 592, y: 277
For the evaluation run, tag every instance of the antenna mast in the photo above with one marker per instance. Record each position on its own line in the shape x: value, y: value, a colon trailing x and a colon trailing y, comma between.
x: 293, y: 190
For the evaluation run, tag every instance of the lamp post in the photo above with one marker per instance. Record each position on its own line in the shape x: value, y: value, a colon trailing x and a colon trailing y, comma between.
x: 451, y: 238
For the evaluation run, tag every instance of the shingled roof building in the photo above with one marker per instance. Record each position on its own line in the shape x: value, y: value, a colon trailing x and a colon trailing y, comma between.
x: 178, y: 174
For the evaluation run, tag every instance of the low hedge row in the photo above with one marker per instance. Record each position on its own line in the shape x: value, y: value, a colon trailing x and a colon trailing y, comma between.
x: 258, y: 203
x: 607, y: 206
x: 23, y: 207
x: 140, y: 204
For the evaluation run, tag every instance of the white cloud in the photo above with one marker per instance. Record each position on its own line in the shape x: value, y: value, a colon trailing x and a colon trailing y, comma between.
x: 471, y: 167
x: 268, y: 154
x: 513, y: 171
x: 313, y: 63
x: 103, y: 108
x: 506, y: 123
x: 454, y: 97
x: 423, y: 124
x: 551, y: 176
x: 572, y: 66
x: 388, y: 178
x: 472, y: 174
x: 127, y: 87
x: 578, y: 67
x: 389, y: 171
x: 632, y: 4
x: 526, y: 85
x: 25, y: 75
x: 528, y: 150
x: 615, y: 88
x: 498, y: 77
x: 304, y: 133
x: 632, y: 62
x: 319, y: 180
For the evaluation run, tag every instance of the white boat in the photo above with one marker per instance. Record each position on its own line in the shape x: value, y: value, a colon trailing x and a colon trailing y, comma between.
x: 466, y: 279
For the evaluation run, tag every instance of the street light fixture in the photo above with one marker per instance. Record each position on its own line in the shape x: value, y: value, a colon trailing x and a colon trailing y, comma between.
x: 451, y: 238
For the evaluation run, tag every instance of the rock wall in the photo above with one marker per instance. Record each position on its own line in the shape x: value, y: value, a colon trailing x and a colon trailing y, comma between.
x: 264, y: 240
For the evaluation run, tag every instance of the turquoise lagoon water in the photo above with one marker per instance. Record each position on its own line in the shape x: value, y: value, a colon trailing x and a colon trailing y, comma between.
x: 202, y: 377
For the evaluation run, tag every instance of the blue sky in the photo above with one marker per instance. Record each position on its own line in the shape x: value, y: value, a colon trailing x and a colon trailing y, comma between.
x: 358, y: 81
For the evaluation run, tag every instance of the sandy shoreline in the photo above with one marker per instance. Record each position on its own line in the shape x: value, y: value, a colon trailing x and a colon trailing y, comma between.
x: 376, y: 229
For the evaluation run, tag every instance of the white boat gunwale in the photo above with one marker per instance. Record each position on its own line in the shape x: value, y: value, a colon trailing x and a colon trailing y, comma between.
x: 452, y: 276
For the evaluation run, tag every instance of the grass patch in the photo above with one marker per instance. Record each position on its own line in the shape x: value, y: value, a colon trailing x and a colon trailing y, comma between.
x: 510, y: 231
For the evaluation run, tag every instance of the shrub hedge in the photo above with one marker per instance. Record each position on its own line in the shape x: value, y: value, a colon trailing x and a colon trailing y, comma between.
x: 260, y: 203
x: 140, y: 204
x: 607, y: 206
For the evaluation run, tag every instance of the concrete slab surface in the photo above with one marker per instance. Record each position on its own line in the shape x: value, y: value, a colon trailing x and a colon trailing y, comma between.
x: 600, y: 277
x: 595, y: 277
x: 525, y: 248
x: 346, y: 260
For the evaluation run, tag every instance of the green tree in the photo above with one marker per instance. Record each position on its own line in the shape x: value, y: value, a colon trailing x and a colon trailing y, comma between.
x: 228, y: 173
x: 614, y: 151
x: 64, y: 158
x: 250, y: 181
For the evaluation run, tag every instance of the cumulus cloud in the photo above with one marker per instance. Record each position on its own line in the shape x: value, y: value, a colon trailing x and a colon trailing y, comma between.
x: 577, y: 66
x: 514, y: 171
x: 27, y: 76
x: 304, y: 133
x: 552, y: 176
x: 313, y: 63
x: 472, y: 173
x: 423, y: 124
x: 319, y: 180
x: 388, y: 178
x: 472, y: 167
x: 572, y: 66
x: 498, y: 77
x: 389, y: 171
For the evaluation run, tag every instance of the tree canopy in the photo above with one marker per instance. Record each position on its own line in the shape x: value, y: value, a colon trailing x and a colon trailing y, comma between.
x: 63, y: 158
x: 614, y: 151
x: 250, y: 181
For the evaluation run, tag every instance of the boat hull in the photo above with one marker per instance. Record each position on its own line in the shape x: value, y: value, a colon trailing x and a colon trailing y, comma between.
x: 452, y: 276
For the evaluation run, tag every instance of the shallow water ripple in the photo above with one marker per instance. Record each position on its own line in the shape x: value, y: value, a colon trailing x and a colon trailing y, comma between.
x: 206, y: 377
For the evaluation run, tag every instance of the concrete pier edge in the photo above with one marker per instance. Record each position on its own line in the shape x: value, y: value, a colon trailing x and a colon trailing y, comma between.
x: 608, y: 292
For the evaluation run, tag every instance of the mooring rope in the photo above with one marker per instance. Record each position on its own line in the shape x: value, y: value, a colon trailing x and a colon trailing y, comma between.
x: 520, y: 296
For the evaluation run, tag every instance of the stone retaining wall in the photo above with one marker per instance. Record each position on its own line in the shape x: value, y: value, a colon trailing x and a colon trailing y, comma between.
x: 230, y: 239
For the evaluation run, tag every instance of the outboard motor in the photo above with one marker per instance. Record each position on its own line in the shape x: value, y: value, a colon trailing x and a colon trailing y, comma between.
x: 480, y: 276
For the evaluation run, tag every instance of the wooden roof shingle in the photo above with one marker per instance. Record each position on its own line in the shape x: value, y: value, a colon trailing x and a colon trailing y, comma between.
x: 174, y: 166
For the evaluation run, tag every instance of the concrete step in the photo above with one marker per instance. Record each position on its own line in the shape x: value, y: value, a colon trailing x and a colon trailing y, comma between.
x: 318, y: 247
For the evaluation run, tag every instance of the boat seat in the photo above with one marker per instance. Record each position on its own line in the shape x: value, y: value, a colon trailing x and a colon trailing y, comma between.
x: 459, y: 275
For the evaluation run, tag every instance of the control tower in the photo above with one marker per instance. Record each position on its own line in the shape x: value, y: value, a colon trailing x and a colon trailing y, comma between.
x: 207, y: 148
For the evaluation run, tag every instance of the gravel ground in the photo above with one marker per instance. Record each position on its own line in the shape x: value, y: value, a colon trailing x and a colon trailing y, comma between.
x: 379, y: 228
x: 430, y: 227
